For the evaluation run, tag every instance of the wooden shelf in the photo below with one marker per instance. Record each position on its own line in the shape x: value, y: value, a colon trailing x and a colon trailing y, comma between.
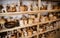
x: 16, y: 28
x: 41, y: 33
x: 29, y: 36
x: 28, y: 25
x: 48, y: 31
x: 33, y: 24
x: 27, y: 12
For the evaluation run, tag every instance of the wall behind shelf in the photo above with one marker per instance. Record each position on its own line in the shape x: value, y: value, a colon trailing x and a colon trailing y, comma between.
x: 8, y: 1
x: 16, y: 1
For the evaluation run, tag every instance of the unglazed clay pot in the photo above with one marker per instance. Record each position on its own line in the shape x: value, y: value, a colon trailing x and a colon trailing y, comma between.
x: 55, y: 7
x: 11, y: 8
x: 43, y: 7
x: 29, y: 32
x: 23, y: 8
x: 2, y: 23
x: 30, y: 21
x: 13, y: 36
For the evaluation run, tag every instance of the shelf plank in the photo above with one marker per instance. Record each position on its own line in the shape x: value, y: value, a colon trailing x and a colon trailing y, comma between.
x: 27, y: 12
x: 47, y: 31
x: 28, y: 25
x: 4, y: 30
x: 40, y: 33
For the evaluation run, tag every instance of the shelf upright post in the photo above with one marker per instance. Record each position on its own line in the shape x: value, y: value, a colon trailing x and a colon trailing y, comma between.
x: 18, y: 6
x: 39, y: 5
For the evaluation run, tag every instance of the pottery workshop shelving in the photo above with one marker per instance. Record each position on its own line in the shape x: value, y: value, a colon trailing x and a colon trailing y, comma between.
x: 28, y: 18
